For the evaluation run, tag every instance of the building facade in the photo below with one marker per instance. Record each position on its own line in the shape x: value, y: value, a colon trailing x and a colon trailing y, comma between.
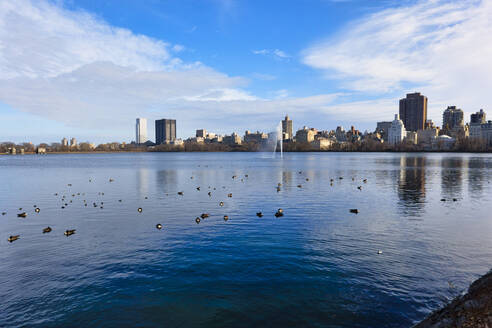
x: 397, y: 131
x: 478, y: 117
x: 413, y: 111
x: 287, y: 129
x: 165, y: 131
x: 141, y: 131
x: 452, y: 118
x: 382, y: 128
x: 306, y: 135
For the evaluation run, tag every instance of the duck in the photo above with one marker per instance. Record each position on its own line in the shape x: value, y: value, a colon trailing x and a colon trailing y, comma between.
x: 246, y: 175
x: 111, y: 180
x: 209, y: 193
x: 340, y: 178
x: 455, y: 199
x: 380, y: 251
x: 22, y: 215
x: 365, y: 180
x: 226, y: 218
x: 259, y: 214
x: 279, y: 184
x: 204, y: 215
x: 158, y: 226
x: 198, y: 188
x: 299, y: 186
x: 359, y: 187
x: 197, y: 220
x: 180, y: 193
x: 354, y: 210
x: 13, y: 238
x: 278, y: 189
x: 221, y: 204
x: 37, y: 210
x: 47, y: 229
x: 139, y: 210
x: 233, y: 176
x: 279, y: 213
x: 69, y: 232
x: 443, y: 199
x: 146, y: 197
x: 4, y: 213
x: 229, y: 195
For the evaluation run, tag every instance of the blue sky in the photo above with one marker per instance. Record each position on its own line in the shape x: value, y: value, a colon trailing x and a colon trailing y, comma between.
x: 87, y: 69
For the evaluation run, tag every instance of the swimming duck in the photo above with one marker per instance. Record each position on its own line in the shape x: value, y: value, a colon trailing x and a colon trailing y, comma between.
x: 22, y: 215
x: 139, y: 210
x: 69, y: 184
x: 259, y: 214
x: 13, y: 238
x: 111, y: 180
x: 340, y: 178
x: 209, y: 193
x: 226, y: 218
x: 229, y: 195
x: 359, y: 187
x: 279, y: 213
x: 354, y: 210
x: 380, y: 252
x: 69, y: 232
x: 180, y: 193
x: 454, y: 199
x: 279, y: 184
x: 365, y: 180
x: 233, y: 176
x: 198, y: 188
x: 158, y: 226
x: 37, y: 210
x: 146, y: 197
x: 4, y: 213
x: 443, y: 199
x: 204, y: 215
x: 246, y: 175
x: 197, y: 220
x: 307, y: 179
x: 299, y: 186
x: 221, y: 204
x: 46, y: 230
x: 278, y: 189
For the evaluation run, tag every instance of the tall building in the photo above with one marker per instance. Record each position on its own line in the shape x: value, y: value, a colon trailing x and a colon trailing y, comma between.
x: 202, y: 133
x: 73, y: 142
x: 64, y: 142
x: 141, y: 131
x: 397, y: 131
x: 413, y: 111
x: 452, y: 118
x: 383, y: 128
x: 165, y: 131
x: 287, y: 128
x: 478, y: 117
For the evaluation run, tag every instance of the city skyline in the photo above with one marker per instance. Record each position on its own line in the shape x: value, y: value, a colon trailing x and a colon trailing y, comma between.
x: 346, y: 63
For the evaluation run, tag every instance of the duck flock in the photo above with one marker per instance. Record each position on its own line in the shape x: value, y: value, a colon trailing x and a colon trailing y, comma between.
x: 66, y: 201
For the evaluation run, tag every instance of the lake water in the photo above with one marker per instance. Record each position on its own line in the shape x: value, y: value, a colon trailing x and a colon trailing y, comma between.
x: 317, y: 266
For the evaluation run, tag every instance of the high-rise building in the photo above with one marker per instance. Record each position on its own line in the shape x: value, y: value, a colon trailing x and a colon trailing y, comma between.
x: 202, y: 133
x: 413, y: 111
x: 287, y: 129
x: 397, y: 131
x: 73, y: 142
x: 165, y: 131
x: 478, y: 117
x: 383, y: 128
x: 141, y: 131
x: 452, y: 118
x: 64, y: 142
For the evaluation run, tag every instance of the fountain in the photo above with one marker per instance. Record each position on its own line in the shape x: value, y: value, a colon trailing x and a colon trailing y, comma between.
x: 278, y: 140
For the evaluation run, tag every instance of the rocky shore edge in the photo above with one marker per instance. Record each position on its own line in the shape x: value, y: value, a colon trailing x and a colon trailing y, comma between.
x: 473, y: 310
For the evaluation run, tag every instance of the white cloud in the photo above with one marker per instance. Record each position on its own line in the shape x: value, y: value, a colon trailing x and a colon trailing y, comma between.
x: 440, y: 48
x: 275, y: 53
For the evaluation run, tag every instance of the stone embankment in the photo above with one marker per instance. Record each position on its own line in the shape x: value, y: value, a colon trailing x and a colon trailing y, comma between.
x: 472, y: 310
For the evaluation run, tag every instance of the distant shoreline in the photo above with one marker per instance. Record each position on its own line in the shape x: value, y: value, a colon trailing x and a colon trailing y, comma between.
x: 241, y: 151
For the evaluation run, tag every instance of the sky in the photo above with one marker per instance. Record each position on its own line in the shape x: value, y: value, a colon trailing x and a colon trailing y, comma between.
x: 88, y: 68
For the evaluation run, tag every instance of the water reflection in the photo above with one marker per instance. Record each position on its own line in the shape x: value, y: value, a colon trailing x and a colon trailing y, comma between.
x: 477, y: 176
x: 167, y: 181
x: 452, y: 176
x: 411, y: 185
x: 143, y: 181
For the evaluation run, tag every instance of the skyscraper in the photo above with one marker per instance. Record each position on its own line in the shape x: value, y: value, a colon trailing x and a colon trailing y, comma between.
x: 141, y: 131
x: 478, y: 118
x: 287, y: 129
x: 452, y: 118
x: 413, y: 111
x: 165, y: 131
